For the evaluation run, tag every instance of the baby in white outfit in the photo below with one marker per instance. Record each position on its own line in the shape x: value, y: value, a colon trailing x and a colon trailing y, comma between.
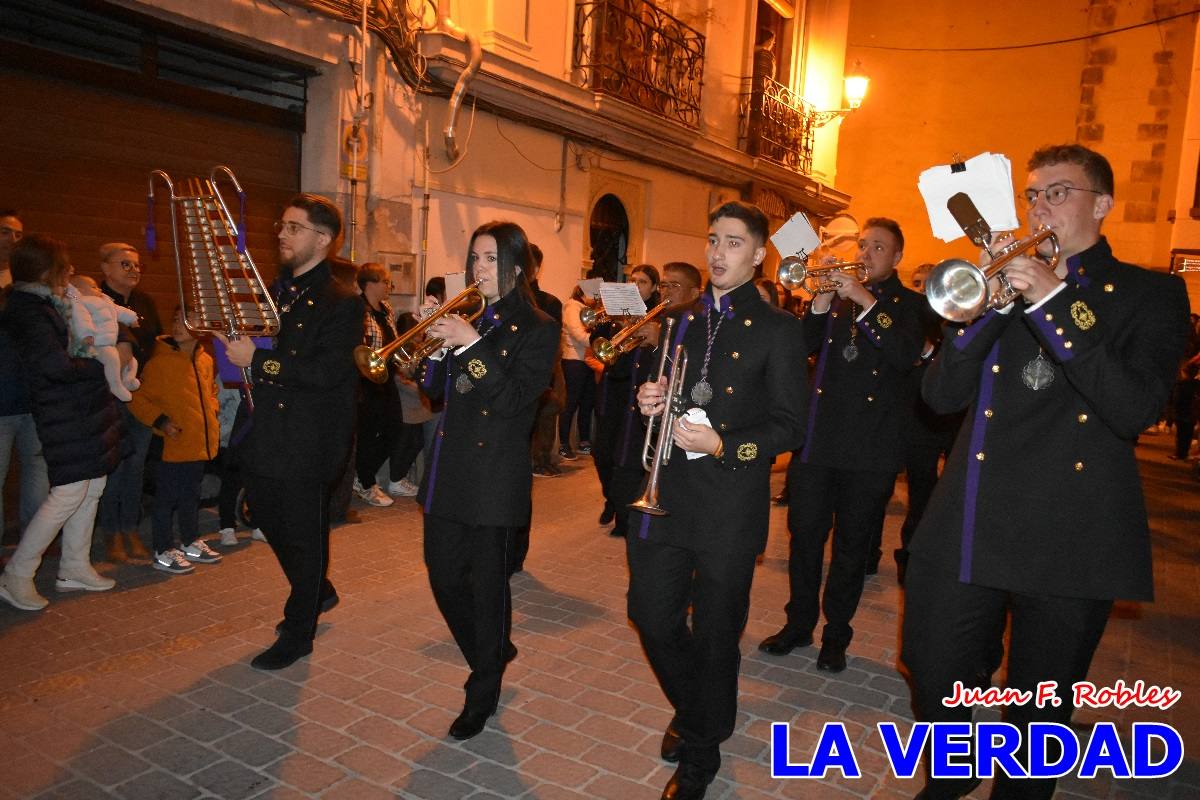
x: 94, y: 318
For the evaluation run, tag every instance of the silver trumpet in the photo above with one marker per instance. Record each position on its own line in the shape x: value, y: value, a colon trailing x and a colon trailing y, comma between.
x: 958, y: 290
x: 655, y: 454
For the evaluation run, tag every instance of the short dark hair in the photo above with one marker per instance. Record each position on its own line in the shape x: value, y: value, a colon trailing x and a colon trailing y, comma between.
x: 755, y: 220
x: 436, y: 287
x: 772, y: 290
x: 321, y: 212
x: 9, y: 212
x: 889, y: 225
x: 39, y: 259
x: 685, y: 269
x: 512, y: 256
x: 650, y: 271
x: 1095, y: 166
x: 371, y: 272
x: 537, y: 254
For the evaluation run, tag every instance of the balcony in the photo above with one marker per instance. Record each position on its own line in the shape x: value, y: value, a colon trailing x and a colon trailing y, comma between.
x: 641, y: 54
x: 777, y: 124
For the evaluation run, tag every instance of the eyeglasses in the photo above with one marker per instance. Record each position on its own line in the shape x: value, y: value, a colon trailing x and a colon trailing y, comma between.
x: 1056, y: 194
x: 292, y: 228
x: 670, y: 285
x: 129, y: 266
x: 11, y: 233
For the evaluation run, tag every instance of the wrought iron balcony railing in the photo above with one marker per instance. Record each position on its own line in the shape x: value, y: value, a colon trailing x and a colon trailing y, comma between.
x: 635, y: 51
x: 777, y: 124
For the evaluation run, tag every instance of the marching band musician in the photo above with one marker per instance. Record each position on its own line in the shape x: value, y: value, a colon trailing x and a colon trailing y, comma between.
x: 746, y: 373
x: 476, y: 489
x: 1039, y: 513
x: 303, y: 419
x: 868, y: 336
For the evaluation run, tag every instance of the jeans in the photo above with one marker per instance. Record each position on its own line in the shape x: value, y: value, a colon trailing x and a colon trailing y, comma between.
x: 121, y: 505
x: 70, y: 507
x: 19, y: 429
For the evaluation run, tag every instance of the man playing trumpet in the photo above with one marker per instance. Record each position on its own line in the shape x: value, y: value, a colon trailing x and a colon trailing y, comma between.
x: 747, y: 375
x: 868, y: 336
x: 1039, y: 513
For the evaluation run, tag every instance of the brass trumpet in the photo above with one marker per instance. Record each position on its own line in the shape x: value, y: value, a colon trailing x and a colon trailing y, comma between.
x: 958, y: 290
x: 409, y: 348
x: 609, y: 350
x: 655, y: 454
x: 794, y: 273
x: 591, y: 317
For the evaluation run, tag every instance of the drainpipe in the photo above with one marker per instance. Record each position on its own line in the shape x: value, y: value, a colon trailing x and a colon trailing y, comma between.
x: 460, y: 86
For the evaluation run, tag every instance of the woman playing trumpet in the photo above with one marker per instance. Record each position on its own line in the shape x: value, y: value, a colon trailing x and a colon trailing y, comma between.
x: 476, y: 490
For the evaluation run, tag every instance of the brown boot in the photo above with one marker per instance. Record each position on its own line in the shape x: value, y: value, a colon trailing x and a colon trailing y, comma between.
x: 134, y: 547
x: 115, y: 553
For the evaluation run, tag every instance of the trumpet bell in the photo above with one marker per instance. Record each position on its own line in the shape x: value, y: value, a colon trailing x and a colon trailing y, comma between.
x: 792, y: 272
x: 957, y: 290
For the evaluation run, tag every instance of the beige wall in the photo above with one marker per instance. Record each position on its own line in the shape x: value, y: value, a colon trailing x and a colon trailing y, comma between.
x: 927, y: 104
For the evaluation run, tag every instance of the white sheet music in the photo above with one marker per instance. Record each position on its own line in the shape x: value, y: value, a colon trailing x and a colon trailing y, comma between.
x: 795, y: 237
x: 987, y: 180
x: 455, y: 283
x: 621, y: 299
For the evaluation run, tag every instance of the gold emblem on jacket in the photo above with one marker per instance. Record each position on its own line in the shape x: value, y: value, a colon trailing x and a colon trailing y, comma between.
x: 884, y: 320
x: 1084, y: 317
x: 476, y: 368
x: 747, y: 451
x: 272, y: 367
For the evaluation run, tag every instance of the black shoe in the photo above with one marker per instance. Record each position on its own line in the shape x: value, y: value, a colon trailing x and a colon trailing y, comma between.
x: 470, y: 722
x: 328, y: 604
x: 672, y: 745
x: 688, y: 783
x: 510, y: 652
x: 285, y: 652
x: 784, y: 642
x: 832, y: 657
x: 607, y: 515
x: 932, y: 793
x: 618, y: 530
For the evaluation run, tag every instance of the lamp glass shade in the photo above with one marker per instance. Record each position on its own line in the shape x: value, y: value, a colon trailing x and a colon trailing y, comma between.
x: 856, y: 89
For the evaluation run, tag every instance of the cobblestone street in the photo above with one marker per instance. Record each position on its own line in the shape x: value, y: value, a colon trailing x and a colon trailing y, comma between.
x: 145, y: 691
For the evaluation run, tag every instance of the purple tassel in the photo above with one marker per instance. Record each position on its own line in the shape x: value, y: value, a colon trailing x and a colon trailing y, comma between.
x: 151, y: 234
x: 241, y: 237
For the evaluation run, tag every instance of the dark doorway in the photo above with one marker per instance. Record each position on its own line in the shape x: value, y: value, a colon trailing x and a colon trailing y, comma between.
x: 608, y: 232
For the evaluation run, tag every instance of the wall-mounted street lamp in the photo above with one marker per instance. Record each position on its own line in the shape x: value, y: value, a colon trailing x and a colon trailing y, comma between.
x: 856, y: 83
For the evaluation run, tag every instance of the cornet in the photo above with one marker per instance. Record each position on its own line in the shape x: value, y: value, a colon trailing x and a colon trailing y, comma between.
x: 655, y: 454
x: 609, y: 350
x: 409, y: 348
x: 794, y: 273
x: 958, y: 290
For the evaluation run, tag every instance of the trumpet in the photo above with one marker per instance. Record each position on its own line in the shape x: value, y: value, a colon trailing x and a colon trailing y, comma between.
x: 609, y: 350
x: 591, y: 317
x: 794, y: 273
x: 958, y: 290
x: 655, y: 454
x: 409, y: 348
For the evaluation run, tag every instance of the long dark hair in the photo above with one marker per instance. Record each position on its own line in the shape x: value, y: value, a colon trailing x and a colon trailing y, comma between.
x: 513, y: 257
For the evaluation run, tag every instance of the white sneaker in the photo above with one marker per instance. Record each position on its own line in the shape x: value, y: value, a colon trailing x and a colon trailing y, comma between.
x: 228, y: 537
x: 257, y: 535
x: 72, y: 579
x: 198, y: 552
x: 402, y: 488
x: 374, y: 496
x: 172, y: 561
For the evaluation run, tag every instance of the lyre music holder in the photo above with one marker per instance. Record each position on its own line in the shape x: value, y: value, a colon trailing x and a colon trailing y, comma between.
x: 220, y: 289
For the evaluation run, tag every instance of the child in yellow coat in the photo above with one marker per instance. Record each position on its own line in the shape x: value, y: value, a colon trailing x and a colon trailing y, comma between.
x: 178, y: 399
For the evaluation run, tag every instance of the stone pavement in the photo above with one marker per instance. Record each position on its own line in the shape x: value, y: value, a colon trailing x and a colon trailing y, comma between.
x: 145, y: 692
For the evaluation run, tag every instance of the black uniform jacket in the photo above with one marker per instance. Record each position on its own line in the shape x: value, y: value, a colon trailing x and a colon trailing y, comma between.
x: 1041, y: 493
x: 759, y: 382
x: 304, y: 389
x: 479, y: 471
x: 622, y: 430
x: 858, y: 407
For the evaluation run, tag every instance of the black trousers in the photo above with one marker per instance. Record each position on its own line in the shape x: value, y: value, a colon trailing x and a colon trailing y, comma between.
x: 408, y: 443
x: 294, y: 515
x: 379, y: 420
x: 951, y: 630
x: 468, y: 572
x: 176, y: 496
x: 820, y: 498
x: 696, y: 666
x: 921, y: 470
x: 624, y: 486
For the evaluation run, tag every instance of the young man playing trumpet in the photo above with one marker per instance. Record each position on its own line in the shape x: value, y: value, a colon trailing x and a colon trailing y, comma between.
x: 1039, y: 512
x: 746, y: 374
x: 868, y: 336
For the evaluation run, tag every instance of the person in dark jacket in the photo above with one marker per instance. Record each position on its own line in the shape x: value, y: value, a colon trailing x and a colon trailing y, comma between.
x: 303, y: 418
x: 77, y: 422
x: 477, y: 489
